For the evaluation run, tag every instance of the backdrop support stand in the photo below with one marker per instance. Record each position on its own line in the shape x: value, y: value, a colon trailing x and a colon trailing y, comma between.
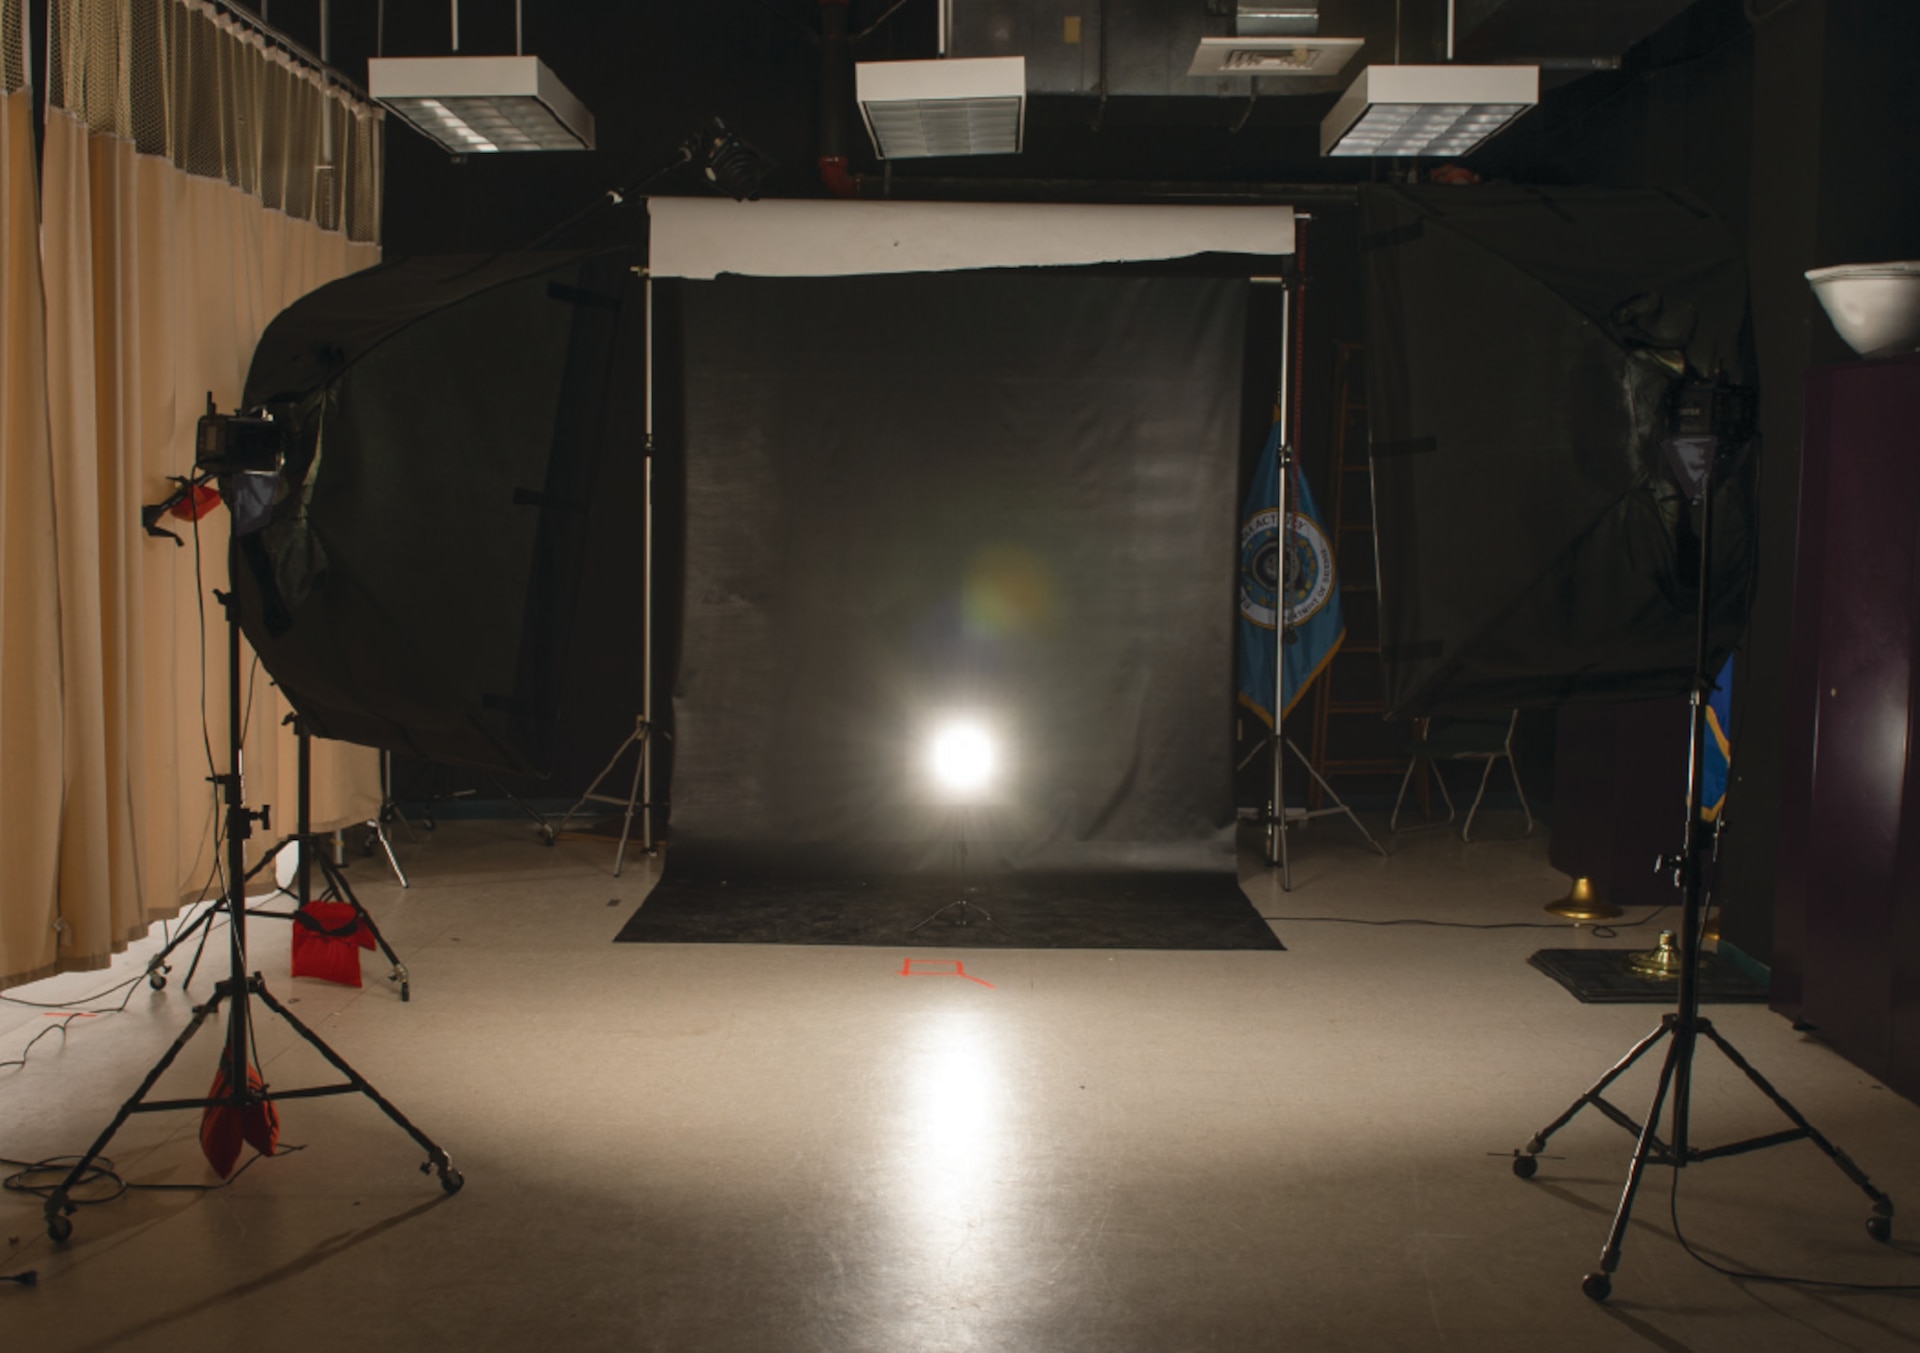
x: 1685, y: 1026
x: 237, y: 992
x: 639, y: 798
x: 634, y: 803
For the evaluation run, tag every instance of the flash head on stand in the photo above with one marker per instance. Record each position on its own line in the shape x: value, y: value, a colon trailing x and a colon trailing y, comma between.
x: 246, y: 452
x: 238, y: 444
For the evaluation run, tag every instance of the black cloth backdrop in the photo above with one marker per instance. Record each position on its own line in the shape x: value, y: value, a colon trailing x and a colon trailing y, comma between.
x: 1532, y: 548
x: 1006, y: 493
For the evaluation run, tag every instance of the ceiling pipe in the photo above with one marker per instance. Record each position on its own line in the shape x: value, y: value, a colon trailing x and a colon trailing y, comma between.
x: 1114, y: 191
x: 836, y: 98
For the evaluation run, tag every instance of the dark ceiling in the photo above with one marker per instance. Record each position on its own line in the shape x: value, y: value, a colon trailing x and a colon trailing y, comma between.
x: 655, y: 71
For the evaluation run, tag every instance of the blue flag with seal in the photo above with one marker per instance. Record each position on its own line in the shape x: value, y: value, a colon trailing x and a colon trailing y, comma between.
x: 1303, y: 574
x: 1718, y: 761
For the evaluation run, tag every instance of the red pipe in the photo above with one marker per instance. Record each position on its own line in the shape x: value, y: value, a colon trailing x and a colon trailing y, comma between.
x: 836, y: 92
x: 834, y: 173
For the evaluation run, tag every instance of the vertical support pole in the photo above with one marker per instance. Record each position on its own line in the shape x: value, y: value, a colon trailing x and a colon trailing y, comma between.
x: 239, y: 827
x: 1283, y: 456
x: 645, y: 749
x: 1691, y: 881
x: 303, y: 811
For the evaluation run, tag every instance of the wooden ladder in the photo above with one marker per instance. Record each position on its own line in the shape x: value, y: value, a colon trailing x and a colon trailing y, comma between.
x: 1350, y: 735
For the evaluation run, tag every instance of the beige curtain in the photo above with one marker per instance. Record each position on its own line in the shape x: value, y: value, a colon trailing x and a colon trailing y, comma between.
x: 195, y: 183
x: 31, y: 771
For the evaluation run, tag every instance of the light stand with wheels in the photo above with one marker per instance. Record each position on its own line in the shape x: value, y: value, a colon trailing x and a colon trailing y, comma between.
x: 309, y: 847
x: 239, y: 989
x: 1685, y: 1026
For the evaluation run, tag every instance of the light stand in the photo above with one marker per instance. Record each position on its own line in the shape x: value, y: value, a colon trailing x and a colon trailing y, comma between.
x: 962, y: 911
x: 238, y: 990
x: 1685, y: 1026
x: 309, y: 848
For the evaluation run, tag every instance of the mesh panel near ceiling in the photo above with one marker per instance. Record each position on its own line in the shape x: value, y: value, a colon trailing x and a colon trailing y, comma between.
x: 13, y: 45
x: 181, y: 80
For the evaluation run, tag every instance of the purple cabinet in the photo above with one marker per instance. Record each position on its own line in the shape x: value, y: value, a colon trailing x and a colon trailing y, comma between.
x: 1847, y: 921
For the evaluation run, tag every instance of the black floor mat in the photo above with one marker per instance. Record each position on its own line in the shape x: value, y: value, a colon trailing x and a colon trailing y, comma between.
x: 1118, y: 910
x: 1600, y: 976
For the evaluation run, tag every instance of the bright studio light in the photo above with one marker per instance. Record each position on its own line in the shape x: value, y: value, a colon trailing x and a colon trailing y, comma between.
x: 961, y: 758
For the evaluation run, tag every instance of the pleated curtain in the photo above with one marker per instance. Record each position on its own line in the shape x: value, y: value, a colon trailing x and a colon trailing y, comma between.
x: 195, y: 181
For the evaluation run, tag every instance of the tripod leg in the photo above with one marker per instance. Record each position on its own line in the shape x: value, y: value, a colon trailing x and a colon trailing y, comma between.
x: 593, y: 789
x: 158, y: 967
x: 1599, y: 1284
x: 58, y: 1209
x: 1880, y: 1220
x: 633, y: 796
x: 199, y: 951
x: 337, y: 882
x: 1327, y: 789
x: 1524, y: 1163
x: 450, y: 1178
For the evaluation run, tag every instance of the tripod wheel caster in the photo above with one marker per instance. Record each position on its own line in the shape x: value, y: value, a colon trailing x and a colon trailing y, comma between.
x: 451, y: 1180
x: 1525, y: 1166
x: 157, y: 980
x: 59, y: 1228
x: 1597, y: 1286
x: 428, y: 823
x: 1880, y: 1228
x: 546, y: 836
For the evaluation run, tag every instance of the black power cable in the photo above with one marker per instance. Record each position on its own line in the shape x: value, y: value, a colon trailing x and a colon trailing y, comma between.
x: 1605, y: 932
x: 1785, y: 1280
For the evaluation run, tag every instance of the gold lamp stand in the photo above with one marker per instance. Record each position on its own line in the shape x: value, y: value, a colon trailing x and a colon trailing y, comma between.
x: 1582, y: 906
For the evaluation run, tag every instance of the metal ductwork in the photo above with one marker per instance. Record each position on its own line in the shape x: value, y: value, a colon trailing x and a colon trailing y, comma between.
x: 1140, y: 48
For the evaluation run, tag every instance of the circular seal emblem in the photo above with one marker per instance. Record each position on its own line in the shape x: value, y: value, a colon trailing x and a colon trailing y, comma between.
x: 1305, y: 579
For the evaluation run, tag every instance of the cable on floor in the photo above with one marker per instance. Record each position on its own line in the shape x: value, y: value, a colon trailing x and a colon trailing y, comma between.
x: 1673, y: 1210
x: 1604, y: 932
x: 102, y: 1172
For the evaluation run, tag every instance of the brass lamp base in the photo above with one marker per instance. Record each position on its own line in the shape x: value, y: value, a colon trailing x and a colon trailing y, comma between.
x: 1581, y: 906
x: 1663, y: 961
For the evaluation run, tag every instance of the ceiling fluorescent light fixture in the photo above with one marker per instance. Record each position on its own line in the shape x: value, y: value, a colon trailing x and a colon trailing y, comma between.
x: 1273, y: 56
x: 482, y: 104
x: 1427, y: 110
x: 962, y: 106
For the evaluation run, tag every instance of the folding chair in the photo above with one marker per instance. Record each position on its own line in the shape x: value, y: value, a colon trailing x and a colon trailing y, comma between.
x: 1461, y: 739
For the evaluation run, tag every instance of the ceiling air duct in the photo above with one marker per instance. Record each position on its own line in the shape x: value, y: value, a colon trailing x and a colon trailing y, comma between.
x: 1274, y: 37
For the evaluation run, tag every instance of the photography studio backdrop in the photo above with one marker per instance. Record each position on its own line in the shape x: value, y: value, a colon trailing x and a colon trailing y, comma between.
x: 957, y: 488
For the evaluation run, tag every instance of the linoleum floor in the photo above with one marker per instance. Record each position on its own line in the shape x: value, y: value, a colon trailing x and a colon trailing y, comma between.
x: 775, y: 1149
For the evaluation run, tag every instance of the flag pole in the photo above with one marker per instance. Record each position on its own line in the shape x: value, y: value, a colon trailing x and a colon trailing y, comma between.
x: 1283, y: 460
